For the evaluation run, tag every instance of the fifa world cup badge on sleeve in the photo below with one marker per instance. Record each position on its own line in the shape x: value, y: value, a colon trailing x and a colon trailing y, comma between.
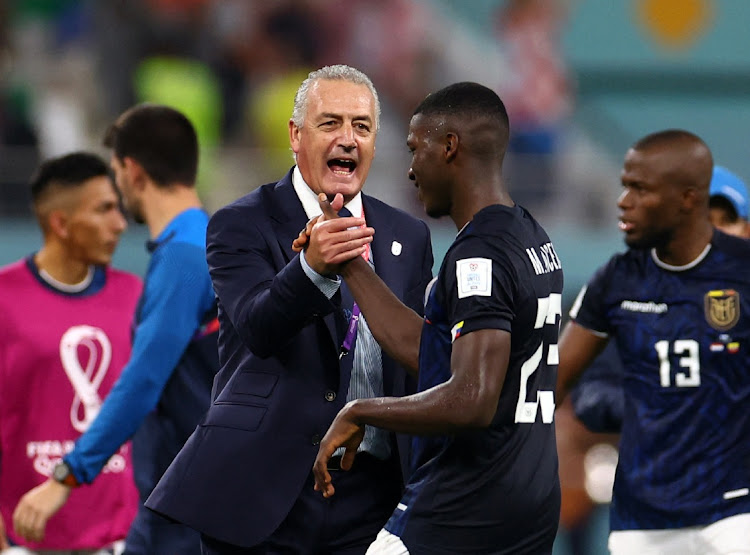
x: 474, y: 276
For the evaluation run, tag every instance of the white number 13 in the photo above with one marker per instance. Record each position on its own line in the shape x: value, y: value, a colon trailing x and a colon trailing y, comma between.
x: 688, y: 348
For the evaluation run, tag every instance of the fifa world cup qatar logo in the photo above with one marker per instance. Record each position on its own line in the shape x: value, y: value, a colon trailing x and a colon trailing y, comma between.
x: 85, y: 352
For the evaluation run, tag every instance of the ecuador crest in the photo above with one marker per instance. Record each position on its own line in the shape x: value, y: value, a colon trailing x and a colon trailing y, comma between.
x: 722, y: 307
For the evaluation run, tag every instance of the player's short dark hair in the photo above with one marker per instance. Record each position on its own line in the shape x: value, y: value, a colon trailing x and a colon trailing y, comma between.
x: 465, y: 99
x: 726, y: 206
x: 69, y: 171
x: 159, y: 138
x: 666, y: 137
x: 697, y: 164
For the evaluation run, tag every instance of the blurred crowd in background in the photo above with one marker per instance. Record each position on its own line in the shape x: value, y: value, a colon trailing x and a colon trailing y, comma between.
x: 68, y: 67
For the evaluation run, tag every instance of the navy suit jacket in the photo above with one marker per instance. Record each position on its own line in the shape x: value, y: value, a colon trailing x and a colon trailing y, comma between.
x: 281, y: 382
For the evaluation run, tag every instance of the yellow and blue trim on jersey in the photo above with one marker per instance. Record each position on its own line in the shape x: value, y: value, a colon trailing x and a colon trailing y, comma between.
x: 456, y: 331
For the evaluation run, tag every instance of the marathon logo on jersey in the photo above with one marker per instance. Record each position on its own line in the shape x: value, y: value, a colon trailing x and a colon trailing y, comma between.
x: 545, y: 260
x: 649, y: 307
x: 474, y: 276
x: 722, y: 308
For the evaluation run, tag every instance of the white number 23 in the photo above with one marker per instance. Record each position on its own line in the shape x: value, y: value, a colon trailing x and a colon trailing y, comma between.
x: 548, y: 311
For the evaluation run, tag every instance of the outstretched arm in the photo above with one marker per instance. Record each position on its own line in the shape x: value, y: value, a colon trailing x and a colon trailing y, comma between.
x: 578, y: 347
x: 395, y: 326
x: 469, y: 399
x: 267, y: 299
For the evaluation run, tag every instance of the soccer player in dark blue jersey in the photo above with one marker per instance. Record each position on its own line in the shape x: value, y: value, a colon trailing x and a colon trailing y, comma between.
x: 678, y: 306
x: 485, y: 474
x: 597, y: 397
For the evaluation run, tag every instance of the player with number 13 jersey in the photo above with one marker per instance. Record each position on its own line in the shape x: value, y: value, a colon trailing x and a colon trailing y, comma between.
x: 492, y: 490
x: 683, y: 335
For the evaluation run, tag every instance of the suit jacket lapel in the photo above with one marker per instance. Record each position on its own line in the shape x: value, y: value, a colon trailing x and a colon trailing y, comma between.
x: 288, y: 215
x: 385, y: 244
x: 289, y: 218
x: 389, y: 263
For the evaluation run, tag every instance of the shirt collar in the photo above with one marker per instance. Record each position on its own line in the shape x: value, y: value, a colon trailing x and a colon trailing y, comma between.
x: 688, y: 266
x: 181, y: 220
x: 309, y: 199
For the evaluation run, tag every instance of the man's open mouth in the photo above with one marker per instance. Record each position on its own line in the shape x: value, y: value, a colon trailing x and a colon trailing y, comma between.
x: 342, y: 166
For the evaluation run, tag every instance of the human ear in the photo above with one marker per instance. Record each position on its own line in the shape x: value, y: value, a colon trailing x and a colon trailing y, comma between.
x: 691, y: 199
x: 294, y: 136
x: 451, y: 146
x: 136, y: 174
x: 58, y: 223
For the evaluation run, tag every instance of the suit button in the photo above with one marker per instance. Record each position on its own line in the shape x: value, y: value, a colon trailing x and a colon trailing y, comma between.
x: 315, y: 439
x: 330, y: 396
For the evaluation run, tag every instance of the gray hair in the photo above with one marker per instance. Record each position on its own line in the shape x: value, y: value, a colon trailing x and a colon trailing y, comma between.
x: 337, y: 72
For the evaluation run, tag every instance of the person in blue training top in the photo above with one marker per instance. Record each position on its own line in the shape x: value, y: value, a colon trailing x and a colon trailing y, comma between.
x: 166, y: 386
x: 677, y: 303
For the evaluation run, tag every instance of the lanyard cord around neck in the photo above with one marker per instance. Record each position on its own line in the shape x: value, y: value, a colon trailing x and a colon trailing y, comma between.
x: 351, y: 330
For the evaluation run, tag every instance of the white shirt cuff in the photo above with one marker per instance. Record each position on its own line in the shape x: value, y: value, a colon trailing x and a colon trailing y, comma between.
x: 326, y: 285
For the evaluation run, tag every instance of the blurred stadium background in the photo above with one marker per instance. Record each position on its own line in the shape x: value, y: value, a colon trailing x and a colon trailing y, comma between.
x: 582, y: 80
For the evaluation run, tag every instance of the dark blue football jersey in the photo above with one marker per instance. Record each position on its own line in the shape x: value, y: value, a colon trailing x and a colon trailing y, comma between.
x: 493, y: 490
x: 598, y: 398
x: 683, y: 335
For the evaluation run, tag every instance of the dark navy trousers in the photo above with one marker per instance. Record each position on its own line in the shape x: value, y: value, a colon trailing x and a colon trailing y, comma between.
x: 152, y: 534
x: 345, y: 524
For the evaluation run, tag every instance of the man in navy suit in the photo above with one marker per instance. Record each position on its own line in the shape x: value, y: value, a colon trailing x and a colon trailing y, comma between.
x: 294, y: 349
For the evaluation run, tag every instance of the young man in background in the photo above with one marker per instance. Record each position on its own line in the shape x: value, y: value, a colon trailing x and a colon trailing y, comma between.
x: 64, y: 339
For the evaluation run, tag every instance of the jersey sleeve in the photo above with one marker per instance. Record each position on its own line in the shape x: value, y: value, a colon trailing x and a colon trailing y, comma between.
x: 176, y: 297
x: 589, y: 308
x: 480, y: 288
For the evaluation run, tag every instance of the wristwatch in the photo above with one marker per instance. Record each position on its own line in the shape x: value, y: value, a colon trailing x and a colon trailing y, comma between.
x: 64, y: 474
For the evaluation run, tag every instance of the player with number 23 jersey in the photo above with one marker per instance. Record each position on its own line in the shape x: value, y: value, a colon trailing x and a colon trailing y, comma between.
x: 492, y: 490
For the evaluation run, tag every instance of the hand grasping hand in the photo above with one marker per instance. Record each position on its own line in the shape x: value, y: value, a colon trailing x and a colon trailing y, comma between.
x: 338, y: 203
x: 331, y: 241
